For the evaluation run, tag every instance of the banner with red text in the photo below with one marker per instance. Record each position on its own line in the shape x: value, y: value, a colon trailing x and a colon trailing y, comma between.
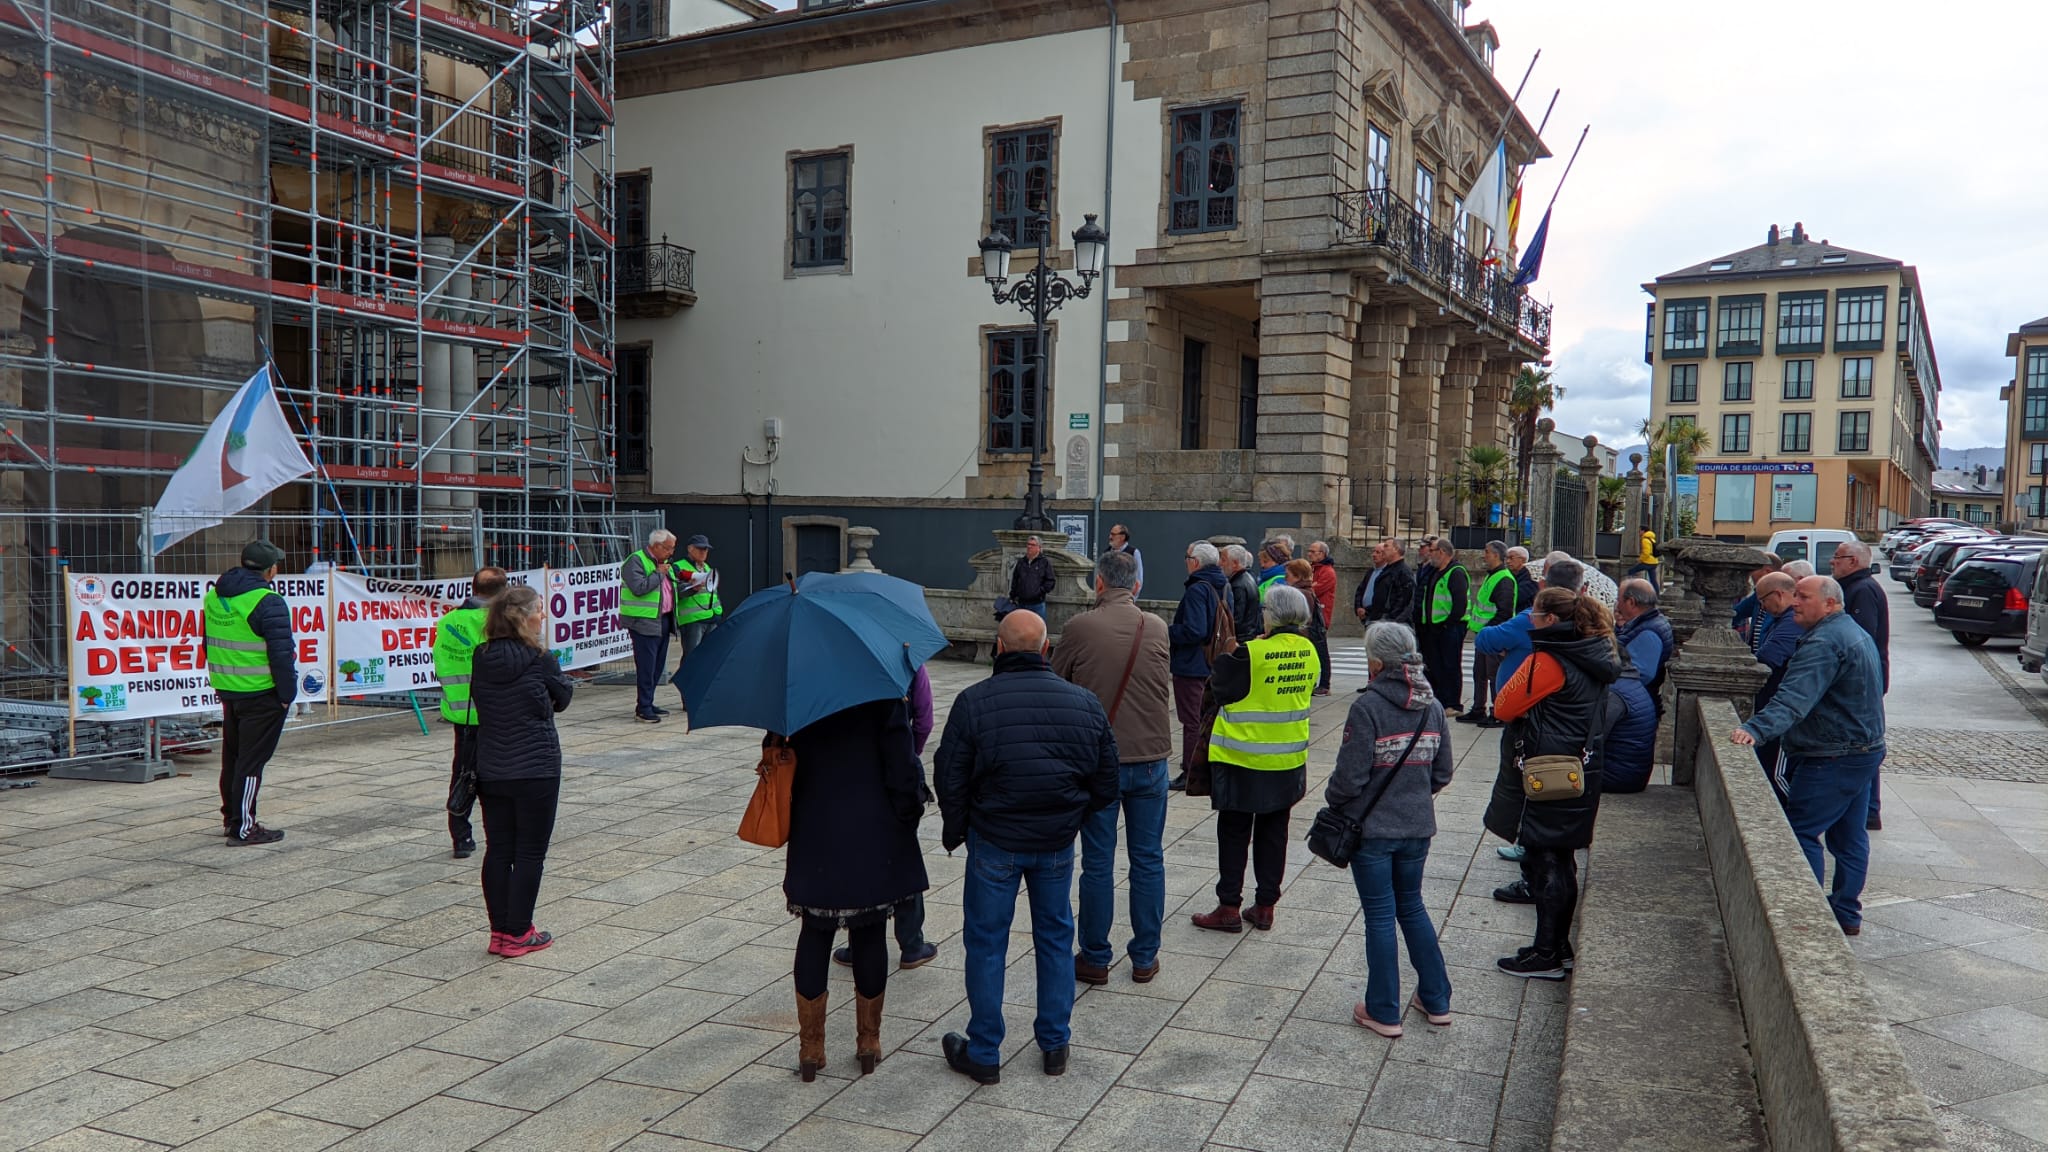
x: 384, y: 629
x: 138, y: 643
x: 583, y: 616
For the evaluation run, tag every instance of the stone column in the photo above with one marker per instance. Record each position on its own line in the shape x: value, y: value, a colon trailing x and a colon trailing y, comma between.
x: 1632, y: 505
x: 1454, y: 425
x: 1422, y: 373
x: 1589, y: 523
x: 1542, y: 496
x: 1307, y: 324
x: 1376, y: 411
x: 1713, y: 661
x: 1490, y: 424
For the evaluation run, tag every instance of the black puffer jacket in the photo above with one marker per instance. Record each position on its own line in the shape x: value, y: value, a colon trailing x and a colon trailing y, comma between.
x: 517, y: 689
x: 1246, y: 612
x: 272, y: 620
x: 1024, y: 758
x: 1559, y: 725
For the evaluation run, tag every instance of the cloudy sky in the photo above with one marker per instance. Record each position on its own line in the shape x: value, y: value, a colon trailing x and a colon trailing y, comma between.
x: 1887, y: 126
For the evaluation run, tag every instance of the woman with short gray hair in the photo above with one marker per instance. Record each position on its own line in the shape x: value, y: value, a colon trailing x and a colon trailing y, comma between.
x: 1394, y: 760
x: 1258, y: 757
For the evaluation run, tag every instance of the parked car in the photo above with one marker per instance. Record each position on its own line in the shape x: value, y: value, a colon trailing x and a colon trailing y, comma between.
x: 1932, y: 562
x: 1972, y: 550
x: 1916, y: 531
x: 1813, y: 544
x: 1903, y: 561
x: 1986, y: 597
x: 2034, y: 648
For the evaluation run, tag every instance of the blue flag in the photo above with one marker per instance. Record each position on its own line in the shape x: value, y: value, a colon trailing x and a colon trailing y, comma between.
x: 1532, y: 259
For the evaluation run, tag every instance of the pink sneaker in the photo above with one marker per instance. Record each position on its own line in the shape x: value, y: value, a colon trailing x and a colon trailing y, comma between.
x: 533, y: 941
x: 498, y: 939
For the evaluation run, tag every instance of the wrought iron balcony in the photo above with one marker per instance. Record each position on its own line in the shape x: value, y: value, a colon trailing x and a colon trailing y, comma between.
x: 1377, y: 218
x: 654, y: 279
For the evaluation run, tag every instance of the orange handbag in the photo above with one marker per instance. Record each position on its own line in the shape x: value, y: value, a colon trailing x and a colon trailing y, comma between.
x: 767, y: 820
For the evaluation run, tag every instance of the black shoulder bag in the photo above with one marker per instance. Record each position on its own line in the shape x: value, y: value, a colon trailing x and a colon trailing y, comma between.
x: 1335, y: 836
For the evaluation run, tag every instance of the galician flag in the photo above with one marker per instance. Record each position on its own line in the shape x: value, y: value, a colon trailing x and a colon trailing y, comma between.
x: 1488, y: 200
x: 247, y: 454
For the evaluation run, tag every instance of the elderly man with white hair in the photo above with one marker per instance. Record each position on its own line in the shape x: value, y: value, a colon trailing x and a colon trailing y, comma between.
x: 1828, y: 716
x: 647, y: 607
x: 1204, y: 597
x: 1864, y: 600
x: 1258, y: 757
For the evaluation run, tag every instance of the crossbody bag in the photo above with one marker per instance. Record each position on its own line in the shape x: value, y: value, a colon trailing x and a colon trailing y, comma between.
x: 1335, y: 836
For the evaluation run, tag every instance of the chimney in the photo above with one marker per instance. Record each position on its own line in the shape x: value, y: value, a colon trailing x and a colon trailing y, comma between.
x: 1771, y: 238
x: 1980, y: 475
x: 1798, y: 232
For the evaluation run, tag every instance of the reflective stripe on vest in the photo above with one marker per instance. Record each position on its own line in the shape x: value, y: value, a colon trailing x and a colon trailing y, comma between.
x: 1267, y: 731
x: 456, y: 637
x: 237, y: 659
x: 701, y: 605
x: 634, y: 605
x: 1479, y: 613
x: 1440, y: 596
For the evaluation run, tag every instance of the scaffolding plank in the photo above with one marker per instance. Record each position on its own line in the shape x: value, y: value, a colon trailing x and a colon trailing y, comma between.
x: 475, y: 333
x: 365, y: 135
x: 472, y: 30
x: 468, y: 181
x: 93, y: 46
x: 603, y: 236
x: 592, y: 355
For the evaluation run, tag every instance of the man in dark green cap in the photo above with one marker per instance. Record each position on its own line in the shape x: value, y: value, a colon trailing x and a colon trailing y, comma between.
x: 249, y: 662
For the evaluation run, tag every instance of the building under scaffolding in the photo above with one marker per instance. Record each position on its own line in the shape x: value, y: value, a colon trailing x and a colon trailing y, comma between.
x: 407, y: 207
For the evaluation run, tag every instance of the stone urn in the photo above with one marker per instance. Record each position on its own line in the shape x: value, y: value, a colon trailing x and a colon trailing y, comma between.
x: 859, y: 542
x: 1713, y: 660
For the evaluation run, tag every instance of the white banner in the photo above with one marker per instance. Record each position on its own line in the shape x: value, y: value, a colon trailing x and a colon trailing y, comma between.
x: 384, y: 629
x: 583, y: 616
x: 138, y: 644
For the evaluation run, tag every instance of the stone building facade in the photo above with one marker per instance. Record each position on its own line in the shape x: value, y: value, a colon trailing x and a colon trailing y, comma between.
x: 1298, y: 327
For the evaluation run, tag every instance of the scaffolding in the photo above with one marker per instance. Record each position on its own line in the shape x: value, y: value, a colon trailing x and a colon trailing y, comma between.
x: 406, y: 208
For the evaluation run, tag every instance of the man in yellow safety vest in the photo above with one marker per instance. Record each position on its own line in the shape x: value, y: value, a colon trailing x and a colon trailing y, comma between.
x: 698, y: 609
x: 1497, y: 599
x: 1440, y: 602
x: 249, y: 662
x: 456, y: 637
x: 647, y: 607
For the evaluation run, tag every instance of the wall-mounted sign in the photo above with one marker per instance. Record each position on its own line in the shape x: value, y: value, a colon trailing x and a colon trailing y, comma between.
x: 1077, y: 420
x: 1754, y: 467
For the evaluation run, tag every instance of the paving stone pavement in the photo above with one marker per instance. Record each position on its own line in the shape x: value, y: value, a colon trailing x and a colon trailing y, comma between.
x: 1955, y: 931
x: 160, y: 988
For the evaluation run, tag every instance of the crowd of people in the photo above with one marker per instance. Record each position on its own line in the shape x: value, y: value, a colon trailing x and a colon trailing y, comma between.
x: 1056, y: 744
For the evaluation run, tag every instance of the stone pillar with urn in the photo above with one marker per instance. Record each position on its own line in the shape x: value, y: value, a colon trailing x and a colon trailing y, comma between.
x: 1542, y: 495
x: 1713, y: 661
x: 1587, y: 546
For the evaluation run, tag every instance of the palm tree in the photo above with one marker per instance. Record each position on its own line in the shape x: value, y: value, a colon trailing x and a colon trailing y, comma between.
x: 1532, y: 394
x: 1483, y: 476
x: 1613, y: 494
x: 1690, y: 439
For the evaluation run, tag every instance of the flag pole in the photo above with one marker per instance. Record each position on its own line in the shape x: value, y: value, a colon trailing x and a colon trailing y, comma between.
x: 1567, y: 169
x: 1501, y: 133
x: 1554, y: 94
x: 319, y: 465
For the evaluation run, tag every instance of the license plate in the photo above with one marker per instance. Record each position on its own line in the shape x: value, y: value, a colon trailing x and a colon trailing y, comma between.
x: 1969, y: 601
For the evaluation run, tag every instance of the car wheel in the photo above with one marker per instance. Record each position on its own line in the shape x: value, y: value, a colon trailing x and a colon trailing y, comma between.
x: 1970, y: 639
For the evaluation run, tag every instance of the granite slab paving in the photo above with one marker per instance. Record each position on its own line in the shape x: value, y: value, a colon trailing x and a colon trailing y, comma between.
x: 161, y: 988
x: 1955, y: 938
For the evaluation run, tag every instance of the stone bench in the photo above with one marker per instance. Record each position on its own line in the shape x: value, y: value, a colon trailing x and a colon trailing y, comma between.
x: 1655, y: 1054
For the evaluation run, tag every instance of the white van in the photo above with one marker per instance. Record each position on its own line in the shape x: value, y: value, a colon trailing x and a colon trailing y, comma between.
x: 1815, y: 545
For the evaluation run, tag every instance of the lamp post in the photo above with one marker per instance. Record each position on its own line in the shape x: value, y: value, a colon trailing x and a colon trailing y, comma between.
x: 1039, y: 292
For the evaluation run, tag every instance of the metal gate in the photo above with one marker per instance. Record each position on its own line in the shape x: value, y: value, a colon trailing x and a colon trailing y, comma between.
x: 1568, y: 511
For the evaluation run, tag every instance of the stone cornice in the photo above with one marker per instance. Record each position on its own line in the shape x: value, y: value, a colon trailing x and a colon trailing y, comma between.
x: 1429, y: 32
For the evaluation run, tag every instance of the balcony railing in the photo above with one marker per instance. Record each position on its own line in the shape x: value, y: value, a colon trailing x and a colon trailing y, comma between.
x: 657, y: 268
x: 1380, y: 219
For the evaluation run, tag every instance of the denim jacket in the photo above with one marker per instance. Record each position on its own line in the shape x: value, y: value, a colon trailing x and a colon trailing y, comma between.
x: 1831, y: 700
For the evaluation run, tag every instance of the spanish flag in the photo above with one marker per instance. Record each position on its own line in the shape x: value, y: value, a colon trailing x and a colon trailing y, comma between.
x: 1514, y: 216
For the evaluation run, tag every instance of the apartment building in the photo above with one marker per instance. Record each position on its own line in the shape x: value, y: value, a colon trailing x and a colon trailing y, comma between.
x: 1296, y: 325
x: 1812, y: 371
x: 2026, y: 425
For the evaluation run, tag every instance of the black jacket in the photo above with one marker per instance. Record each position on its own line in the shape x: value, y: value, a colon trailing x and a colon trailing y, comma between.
x: 1507, y: 598
x: 1864, y: 600
x: 517, y: 689
x: 271, y: 620
x: 1194, y: 622
x: 1232, y: 787
x: 1525, y: 590
x: 1032, y: 581
x: 1393, y: 595
x: 1245, y: 610
x: 1024, y: 758
x: 1425, y: 591
x: 853, y: 812
x: 1561, y: 724
x: 1417, y: 610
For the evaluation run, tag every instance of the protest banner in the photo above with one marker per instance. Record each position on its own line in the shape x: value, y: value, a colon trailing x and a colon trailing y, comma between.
x: 138, y: 643
x: 583, y: 616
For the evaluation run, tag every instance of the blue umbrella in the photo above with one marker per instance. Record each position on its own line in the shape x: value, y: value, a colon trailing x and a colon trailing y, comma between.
x: 789, y: 656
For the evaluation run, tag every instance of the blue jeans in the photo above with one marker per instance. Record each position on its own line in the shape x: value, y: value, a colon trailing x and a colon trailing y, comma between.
x: 989, y: 905
x: 1144, y: 808
x: 1389, y: 878
x: 650, y: 655
x: 1829, y: 799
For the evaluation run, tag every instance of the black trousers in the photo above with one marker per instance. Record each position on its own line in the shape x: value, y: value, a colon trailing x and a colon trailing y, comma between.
x: 870, y: 956
x: 650, y: 660
x: 465, y: 757
x: 1484, y: 669
x: 1443, y: 660
x: 250, y: 727
x: 519, y: 819
x: 1553, y: 875
x: 1261, y: 835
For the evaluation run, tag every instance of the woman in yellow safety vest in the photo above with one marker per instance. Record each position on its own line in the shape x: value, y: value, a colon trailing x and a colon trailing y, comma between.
x: 1258, y: 757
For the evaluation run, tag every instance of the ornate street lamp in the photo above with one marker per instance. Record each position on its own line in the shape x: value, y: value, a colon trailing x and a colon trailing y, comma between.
x: 1038, y: 293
